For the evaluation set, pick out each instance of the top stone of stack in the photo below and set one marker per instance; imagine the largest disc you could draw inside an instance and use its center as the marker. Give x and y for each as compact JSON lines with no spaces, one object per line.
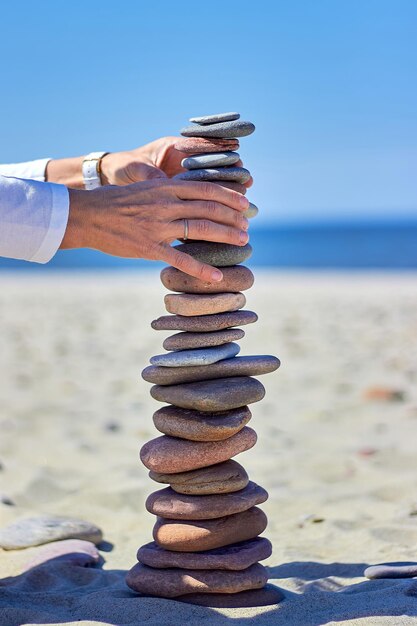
{"x":219,"y":126}
{"x":213,"y":119}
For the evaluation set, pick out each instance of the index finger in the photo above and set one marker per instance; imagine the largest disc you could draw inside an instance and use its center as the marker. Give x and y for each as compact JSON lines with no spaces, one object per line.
{"x":192,"y":190}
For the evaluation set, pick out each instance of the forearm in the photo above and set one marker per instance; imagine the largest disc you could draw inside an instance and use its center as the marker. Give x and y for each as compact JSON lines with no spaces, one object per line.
{"x":66,"y":172}
{"x":33,"y":218}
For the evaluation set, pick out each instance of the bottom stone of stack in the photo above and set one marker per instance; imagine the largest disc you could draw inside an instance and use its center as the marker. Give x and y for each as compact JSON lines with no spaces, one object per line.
{"x":173,"y":582}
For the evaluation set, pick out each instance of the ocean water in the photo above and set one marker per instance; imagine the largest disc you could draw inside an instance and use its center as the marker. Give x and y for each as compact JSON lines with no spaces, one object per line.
{"x":385,"y":245}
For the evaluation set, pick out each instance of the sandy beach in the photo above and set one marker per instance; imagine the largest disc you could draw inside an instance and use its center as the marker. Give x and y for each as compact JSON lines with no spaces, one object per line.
{"x":336,"y":448}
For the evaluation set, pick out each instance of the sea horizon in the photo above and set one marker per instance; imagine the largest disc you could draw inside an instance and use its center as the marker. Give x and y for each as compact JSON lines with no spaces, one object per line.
{"x":386,"y":243}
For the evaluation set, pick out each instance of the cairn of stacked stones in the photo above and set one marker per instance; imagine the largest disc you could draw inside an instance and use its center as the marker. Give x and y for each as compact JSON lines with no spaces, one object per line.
{"x":206,"y":546}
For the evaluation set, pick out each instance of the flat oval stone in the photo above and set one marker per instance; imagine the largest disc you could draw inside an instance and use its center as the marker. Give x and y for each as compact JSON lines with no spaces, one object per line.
{"x":187,"y":341}
{"x":70,"y":551}
{"x":198,"y":145}
{"x":171,"y":505}
{"x":226,"y":477}
{"x":197,"y":426}
{"x":172,"y":455}
{"x":235,"y":278}
{"x":210,"y":159}
{"x":237,"y":366}
{"x":252,"y":211}
{"x":190,"y":304}
{"x":217,"y":254}
{"x":234,"y":174}
{"x":220,"y":394}
{"x":391,"y":571}
{"x":199,"y":535}
{"x":34,"y":531}
{"x":200,"y":356}
{"x":236,"y":556}
{"x":171,"y":583}
{"x":221,"y":130}
{"x":204,"y":323}
{"x":213,"y":119}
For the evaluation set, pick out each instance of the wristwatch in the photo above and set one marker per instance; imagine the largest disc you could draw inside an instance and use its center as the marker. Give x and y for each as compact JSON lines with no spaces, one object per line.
{"x":91,"y":170}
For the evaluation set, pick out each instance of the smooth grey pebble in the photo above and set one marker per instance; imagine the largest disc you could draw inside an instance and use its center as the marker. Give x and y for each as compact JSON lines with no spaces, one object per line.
{"x":223,"y":130}
{"x":213,"y":119}
{"x":234,"y":174}
{"x":199,"y":356}
{"x":35,"y":531}
{"x":213,"y":159}
{"x":391,"y":571}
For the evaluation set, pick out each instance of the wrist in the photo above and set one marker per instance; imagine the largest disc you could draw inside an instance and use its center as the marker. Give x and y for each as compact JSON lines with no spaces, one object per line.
{"x":105,"y":169}
{"x":66,"y":172}
{"x":79,"y":226}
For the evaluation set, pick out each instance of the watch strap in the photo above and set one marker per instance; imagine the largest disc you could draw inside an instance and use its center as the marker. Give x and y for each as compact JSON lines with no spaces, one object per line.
{"x":91,"y":170}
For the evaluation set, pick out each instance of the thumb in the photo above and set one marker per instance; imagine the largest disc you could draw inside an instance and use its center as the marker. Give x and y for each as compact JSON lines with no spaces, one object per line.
{"x":143,"y":171}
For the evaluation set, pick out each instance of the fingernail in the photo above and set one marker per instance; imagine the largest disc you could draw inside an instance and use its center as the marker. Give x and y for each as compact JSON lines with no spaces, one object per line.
{"x":245,"y":223}
{"x":243,"y":237}
{"x":244,"y":202}
{"x":217,"y":275}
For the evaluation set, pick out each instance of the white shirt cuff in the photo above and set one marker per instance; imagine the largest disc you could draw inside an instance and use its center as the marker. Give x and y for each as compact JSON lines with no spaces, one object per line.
{"x":30,"y":170}
{"x":57,"y":225}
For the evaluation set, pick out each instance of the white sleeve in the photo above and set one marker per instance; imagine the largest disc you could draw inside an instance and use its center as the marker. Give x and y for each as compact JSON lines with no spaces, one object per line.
{"x":33,"y":170}
{"x":33,"y":218}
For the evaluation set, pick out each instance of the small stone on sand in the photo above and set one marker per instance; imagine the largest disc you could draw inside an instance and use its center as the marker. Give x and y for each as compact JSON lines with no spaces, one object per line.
{"x":71,"y":551}
{"x":388,"y":570}
{"x":35,"y":531}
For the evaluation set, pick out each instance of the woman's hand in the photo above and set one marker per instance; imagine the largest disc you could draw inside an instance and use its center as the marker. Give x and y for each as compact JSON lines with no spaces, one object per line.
{"x":141,"y":220}
{"x":158,"y":159}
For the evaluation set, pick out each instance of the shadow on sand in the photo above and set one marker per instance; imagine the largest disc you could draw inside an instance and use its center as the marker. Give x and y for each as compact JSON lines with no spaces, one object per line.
{"x":57,"y":592}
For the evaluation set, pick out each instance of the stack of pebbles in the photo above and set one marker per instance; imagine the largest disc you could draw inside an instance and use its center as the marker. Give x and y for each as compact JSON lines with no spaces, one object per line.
{"x":206,"y":547}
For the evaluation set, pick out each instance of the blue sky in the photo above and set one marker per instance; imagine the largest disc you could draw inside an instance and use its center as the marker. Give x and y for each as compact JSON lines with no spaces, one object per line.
{"x":330,"y":84}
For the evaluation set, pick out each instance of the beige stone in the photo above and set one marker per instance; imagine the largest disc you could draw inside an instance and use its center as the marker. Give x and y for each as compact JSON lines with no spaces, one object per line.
{"x":190,"y":304}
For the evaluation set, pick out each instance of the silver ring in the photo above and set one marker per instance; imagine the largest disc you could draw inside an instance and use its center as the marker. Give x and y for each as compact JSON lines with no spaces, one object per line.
{"x":185,"y":230}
